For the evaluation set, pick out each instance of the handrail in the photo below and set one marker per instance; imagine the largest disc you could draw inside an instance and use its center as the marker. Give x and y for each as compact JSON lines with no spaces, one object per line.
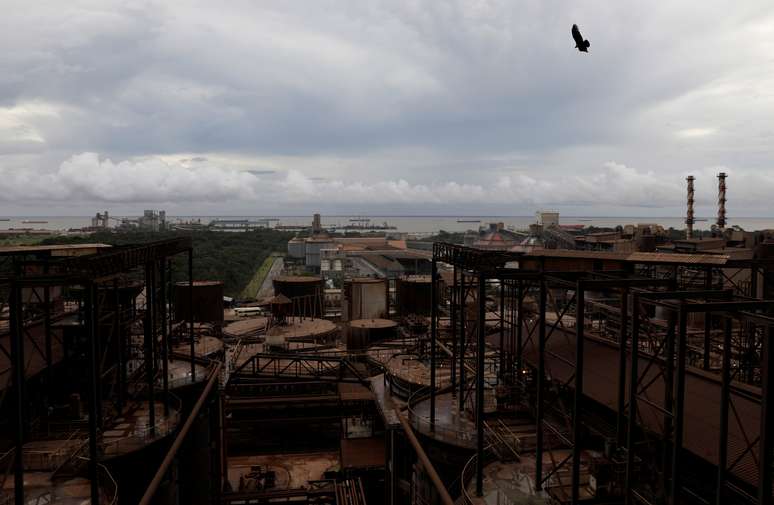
{"x":169,"y":458}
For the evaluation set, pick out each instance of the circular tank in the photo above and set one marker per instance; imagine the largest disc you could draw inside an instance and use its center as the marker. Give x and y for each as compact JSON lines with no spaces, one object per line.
{"x":413,"y":295}
{"x":306,"y":293}
{"x":207,"y":301}
{"x":296,"y":248}
{"x":364,"y":298}
{"x":313,"y":248}
{"x":363,"y":332}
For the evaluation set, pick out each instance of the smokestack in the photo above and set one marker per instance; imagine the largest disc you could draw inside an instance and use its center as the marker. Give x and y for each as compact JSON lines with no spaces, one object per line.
{"x":689,"y":214}
{"x":721,"y":201}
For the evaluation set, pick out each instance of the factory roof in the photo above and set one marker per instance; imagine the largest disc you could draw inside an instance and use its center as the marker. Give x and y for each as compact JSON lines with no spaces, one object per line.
{"x":635,"y":257}
{"x":298,"y":278}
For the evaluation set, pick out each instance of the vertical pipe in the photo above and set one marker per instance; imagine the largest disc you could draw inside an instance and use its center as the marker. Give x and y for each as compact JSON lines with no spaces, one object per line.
{"x":164,"y":335}
{"x":576,"y":414}
{"x":541,"y":374}
{"x":765,"y":458}
{"x":463,"y":307}
{"x":91,"y":333}
{"x":679,"y":403}
{"x":481,"y":349}
{"x":622,"y":351}
{"x":149,"y":336}
{"x":17,"y":352}
{"x":633,"y":383}
{"x":190,"y":315}
{"x":725,"y":397}
{"x":453,"y":327}
{"x":433,"y":337}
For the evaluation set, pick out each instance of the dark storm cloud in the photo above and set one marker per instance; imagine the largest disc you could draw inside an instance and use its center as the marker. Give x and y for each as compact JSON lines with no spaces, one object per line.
{"x":428,"y":100}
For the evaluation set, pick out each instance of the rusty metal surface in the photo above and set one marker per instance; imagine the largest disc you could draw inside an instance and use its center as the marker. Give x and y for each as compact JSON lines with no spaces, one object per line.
{"x":207,"y":301}
{"x":702,"y":407}
{"x":362,"y":452}
{"x":634,"y":257}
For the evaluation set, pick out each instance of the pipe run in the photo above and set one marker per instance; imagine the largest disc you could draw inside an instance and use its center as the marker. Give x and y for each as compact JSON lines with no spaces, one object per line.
{"x":161,"y":472}
{"x":446,"y":499}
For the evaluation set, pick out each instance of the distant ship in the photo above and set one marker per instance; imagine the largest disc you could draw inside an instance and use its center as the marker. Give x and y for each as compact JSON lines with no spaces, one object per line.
{"x":4,"y":219}
{"x":468,"y":220}
{"x":31,"y":221}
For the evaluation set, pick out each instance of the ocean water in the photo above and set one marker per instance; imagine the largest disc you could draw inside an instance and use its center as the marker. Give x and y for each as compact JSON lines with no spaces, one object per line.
{"x":406,"y":224}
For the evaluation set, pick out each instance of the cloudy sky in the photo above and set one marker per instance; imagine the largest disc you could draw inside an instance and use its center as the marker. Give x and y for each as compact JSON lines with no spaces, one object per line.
{"x":385,"y":107}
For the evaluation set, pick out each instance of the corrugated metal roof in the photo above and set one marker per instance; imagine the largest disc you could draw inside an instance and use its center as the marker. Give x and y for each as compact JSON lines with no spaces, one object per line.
{"x":635,"y":257}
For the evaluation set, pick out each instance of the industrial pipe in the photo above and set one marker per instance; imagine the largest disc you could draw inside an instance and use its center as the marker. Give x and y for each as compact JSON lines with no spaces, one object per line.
{"x":154,"y":485}
{"x":444,"y":494}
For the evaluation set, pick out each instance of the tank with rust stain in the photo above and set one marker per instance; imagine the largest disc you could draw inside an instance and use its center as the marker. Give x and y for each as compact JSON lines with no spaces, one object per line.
{"x":364,"y":298}
{"x":305,"y":292}
{"x":363,"y":332}
{"x":207,"y":301}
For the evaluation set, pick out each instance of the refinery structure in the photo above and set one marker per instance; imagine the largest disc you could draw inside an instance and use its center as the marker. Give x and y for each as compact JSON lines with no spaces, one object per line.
{"x":545,"y":366}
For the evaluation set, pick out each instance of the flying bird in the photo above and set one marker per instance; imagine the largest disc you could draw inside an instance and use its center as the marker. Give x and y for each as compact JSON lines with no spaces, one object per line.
{"x":582,"y":45}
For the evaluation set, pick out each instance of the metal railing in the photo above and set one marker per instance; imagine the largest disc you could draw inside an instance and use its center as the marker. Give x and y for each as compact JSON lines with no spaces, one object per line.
{"x":142,"y":435}
{"x":464,"y":438}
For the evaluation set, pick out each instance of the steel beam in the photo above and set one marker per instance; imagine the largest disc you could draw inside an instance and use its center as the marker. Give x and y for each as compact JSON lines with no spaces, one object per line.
{"x":633,"y":380}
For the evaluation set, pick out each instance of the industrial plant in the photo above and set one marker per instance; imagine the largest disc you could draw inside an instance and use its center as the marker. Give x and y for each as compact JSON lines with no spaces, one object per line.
{"x":551,"y":365}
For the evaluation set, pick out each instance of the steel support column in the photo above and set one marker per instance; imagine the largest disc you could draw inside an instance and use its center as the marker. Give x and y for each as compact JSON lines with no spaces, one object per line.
{"x":766,"y":443}
{"x":164,"y":335}
{"x":481,"y":349}
{"x":16,"y":323}
{"x":519,"y":328}
{"x":190,"y":315}
{"x":622,"y":354}
{"x":633,"y":380}
{"x":149,"y":337}
{"x":433,"y":337}
{"x":94,"y":403}
{"x":707,"y":323}
{"x":501,"y":369}
{"x":453,"y":328}
{"x":725,"y":397}
{"x":682,"y":341}
{"x":577,"y":426}
{"x":463,"y":307}
{"x":541,"y":386}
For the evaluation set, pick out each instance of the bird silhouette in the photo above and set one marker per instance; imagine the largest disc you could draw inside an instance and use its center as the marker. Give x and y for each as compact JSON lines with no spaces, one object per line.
{"x":580,"y":44}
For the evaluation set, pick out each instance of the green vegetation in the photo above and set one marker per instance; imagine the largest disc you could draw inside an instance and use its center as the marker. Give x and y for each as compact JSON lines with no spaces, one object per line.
{"x":454,"y":237}
{"x":24,"y":240}
{"x":231,"y":257}
{"x":252,"y":288}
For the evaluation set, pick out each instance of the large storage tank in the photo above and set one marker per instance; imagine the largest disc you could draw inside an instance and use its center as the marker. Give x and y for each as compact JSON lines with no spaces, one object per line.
{"x":363,"y":332}
{"x":413,"y":295}
{"x":313,"y":248}
{"x":297,"y":248}
{"x":306,"y":293}
{"x":207,"y":301}
{"x":364,"y":298}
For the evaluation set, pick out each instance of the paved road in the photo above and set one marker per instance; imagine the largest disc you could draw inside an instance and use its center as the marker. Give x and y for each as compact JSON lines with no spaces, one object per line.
{"x":267,"y":288}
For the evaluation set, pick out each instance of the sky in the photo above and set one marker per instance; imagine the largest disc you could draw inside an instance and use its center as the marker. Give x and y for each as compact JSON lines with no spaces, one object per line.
{"x":385,"y":107}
